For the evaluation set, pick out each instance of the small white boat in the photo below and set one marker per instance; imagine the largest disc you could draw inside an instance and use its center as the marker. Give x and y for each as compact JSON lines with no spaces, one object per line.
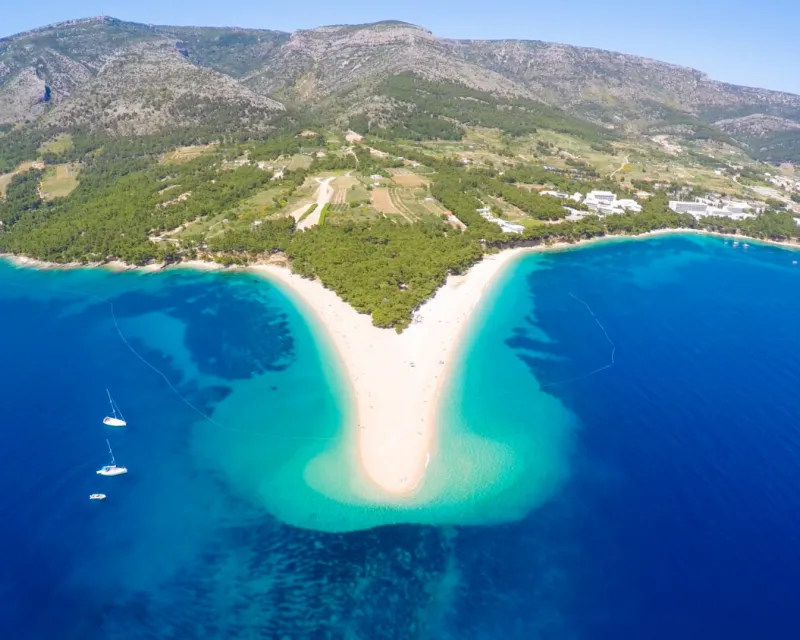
{"x":97,"y":496}
{"x":111,"y":469}
{"x":116,"y":421}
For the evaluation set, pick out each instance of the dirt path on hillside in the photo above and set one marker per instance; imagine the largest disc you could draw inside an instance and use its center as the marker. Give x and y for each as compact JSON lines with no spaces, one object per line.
{"x":324,"y":195}
{"x":620,"y":168}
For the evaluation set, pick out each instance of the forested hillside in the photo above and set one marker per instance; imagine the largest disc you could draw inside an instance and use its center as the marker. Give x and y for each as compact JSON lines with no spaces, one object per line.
{"x":129,"y":205}
{"x":427,"y":110}
{"x":377,"y":158}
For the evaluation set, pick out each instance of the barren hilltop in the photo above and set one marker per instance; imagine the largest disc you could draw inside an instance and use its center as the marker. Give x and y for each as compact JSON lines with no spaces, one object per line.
{"x":126,"y":79}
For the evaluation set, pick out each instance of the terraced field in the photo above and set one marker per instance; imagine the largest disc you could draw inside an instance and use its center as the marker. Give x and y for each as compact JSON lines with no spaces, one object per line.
{"x":382,"y":201}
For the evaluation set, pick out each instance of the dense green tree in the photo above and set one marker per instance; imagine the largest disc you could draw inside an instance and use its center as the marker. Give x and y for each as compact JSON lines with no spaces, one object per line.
{"x":383,"y":268}
{"x":22,"y":195}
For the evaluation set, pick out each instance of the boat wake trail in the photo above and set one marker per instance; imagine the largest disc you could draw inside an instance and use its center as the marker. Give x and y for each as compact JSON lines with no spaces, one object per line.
{"x":612,"y":360}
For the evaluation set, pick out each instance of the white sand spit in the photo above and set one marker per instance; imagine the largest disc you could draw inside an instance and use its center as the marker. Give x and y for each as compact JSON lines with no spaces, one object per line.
{"x":397,"y":378}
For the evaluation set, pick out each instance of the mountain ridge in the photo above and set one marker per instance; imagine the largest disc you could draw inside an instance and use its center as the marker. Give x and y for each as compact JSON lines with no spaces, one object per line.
{"x":336,"y":70}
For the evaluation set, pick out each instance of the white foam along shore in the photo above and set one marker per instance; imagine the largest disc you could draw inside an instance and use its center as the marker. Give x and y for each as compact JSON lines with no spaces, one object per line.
{"x":397,"y":378}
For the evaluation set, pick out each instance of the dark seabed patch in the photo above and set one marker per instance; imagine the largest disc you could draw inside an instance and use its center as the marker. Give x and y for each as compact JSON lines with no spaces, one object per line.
{"x":675,"y":514}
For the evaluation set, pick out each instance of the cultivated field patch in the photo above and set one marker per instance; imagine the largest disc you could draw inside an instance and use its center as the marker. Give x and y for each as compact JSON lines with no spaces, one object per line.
{"x":59,"y":181}
{"x":358,"y":195}
{"x":400,"y":199}
{"x":61,"y":143}
{"x":409,"y":180}
{"x":185,"y":154}
{"x":382,"y":201}
{"x":345,"y":182}
{"x":299,"y":161}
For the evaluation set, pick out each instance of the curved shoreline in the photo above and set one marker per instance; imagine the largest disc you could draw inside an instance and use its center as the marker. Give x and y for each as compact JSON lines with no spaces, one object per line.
{"x":396,"y":379}
{"x":210,"y":265}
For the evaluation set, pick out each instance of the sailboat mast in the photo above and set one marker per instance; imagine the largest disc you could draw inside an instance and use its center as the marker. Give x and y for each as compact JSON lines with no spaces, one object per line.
{"x":111,"y":402}
{"x":120,"y":412}
{"x":113,"y":462}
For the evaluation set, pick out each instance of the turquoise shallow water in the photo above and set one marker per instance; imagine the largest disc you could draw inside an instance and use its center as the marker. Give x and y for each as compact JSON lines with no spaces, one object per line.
{"x":641,"y":476}
{"x":484,"y":469}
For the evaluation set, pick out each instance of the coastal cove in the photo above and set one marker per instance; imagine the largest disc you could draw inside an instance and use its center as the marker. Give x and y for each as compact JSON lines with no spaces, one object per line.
{"x":607,"y":414}
{"x":359,"y":332}
{"x":399,"y":448}
{"x":386,"y":464}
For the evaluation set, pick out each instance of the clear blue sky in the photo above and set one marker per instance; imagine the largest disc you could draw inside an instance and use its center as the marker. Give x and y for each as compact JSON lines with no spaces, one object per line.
{"x":747,"y":42}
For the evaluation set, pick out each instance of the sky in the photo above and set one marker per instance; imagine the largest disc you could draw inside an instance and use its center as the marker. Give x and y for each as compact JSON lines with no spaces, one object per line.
{"x":739,"y":41}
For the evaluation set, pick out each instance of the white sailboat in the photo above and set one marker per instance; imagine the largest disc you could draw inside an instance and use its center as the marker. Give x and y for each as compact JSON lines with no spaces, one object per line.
{"x":97,"y":496}
{"x":111,"y":469}
{"x":116,"y":421}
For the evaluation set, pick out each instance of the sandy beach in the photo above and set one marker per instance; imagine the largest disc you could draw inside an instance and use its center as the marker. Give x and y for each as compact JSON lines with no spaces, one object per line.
{"x":396,"y":378}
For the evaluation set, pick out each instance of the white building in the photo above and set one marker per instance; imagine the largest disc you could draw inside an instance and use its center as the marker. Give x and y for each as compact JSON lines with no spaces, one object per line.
{"x":608,"y":210}
{"x":710,"y":201}
{"x":603,"y":197}
{"x":724,"y":213}
{"x":697,"y":209}
{"x":505,"y":225}
{"x":700,"y":209}
{"x":575,"y":214}
{"x":510,"y":227}
{"x":629,"y":205}
{"x":737,"y":207}
{"x":556,"y":194}
{"x":606,"y":203}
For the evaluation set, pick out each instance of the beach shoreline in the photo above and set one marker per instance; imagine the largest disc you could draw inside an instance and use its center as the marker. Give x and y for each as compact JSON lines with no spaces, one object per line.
{"x":396,"y":380}
{"x":210,"y":265}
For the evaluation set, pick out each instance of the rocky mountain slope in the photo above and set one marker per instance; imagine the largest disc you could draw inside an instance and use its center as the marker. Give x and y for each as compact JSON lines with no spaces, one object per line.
{"x":314,"y":64}
{"x":149,"y":86}
{"x":129,"y":78}
{"x":592,"y":80}
{"x":345,"y":69}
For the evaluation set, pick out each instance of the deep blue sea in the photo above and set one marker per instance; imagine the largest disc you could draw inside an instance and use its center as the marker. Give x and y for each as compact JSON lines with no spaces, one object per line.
{"x":670,"y":505}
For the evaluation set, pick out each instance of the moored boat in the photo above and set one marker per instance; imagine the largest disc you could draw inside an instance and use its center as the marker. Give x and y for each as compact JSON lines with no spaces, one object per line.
{"x":116,"y":420}
{"x":111,"y":469}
